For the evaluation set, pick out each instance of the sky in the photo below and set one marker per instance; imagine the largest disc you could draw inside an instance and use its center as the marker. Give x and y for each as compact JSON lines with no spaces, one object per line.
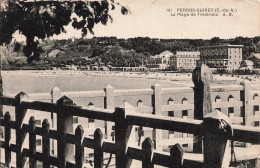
{"x":150,"y":18}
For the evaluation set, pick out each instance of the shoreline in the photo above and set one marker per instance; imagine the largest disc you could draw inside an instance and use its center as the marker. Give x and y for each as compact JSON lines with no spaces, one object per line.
{"x":162,"y":76}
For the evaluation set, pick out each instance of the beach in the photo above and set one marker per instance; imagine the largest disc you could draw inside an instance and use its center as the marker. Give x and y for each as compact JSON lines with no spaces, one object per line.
{"x":44,"y":81}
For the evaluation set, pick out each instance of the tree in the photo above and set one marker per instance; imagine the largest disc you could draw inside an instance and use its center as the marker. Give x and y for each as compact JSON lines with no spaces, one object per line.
{"x":256,"y":39}
{"x":215,"y":41}
{"x":41,"y":19}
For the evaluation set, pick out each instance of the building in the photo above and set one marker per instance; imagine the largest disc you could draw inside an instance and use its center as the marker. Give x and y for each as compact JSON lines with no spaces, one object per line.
{"x":184,"y":60}
{"x":223,"y":56}
{"x":161,"y":61}
{"x":255,"y":57}
{"x":247,"y":64}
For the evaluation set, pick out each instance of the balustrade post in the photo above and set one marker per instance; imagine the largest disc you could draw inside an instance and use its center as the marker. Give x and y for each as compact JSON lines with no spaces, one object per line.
{"x":7,"y":139}
{"x":109,"y":103}
{"x":79,"y":148}
{"x":148,"y":148}
{"x":32,"y":143}
{"x":176,"y":154}
{"x":201,"y":77}
{"x":20,"y":112}
{"x":98,"y":153}
{"x":214,"y":143}
{"x":64,"y":125}
{"x":157,"y":110}
{"x":46,"y":143}
{"x":124,"y":134}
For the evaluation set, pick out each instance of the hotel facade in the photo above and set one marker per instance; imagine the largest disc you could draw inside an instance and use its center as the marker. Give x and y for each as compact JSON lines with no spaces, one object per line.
{"x":223,"y":56}
{"x":184,"y":60}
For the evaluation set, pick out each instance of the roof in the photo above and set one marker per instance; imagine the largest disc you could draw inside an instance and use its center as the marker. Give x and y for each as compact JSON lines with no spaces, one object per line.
{"x":54,"y":52}
{"x":248,"y":62}
{"x":257,"y":55}
{"x":238,"y":46}
{"x":187,"y":52}
{"x":257,"y":47}
{"x":165,"y":53}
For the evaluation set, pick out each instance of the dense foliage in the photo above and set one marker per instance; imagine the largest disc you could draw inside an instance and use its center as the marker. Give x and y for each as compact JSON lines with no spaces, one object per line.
{"x":112,"y":51}
{"x":41,"y":19}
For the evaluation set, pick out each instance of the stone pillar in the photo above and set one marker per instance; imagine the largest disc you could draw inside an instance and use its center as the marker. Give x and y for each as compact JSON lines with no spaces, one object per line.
{"x":201,"y":77}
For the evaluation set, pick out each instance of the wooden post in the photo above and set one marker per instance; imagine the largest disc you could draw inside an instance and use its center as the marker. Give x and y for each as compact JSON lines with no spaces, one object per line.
{"x":79,"y":148}
{"x":214,"y":143}
{"x":98,"y":153}
{"x":148,"y":147}
{"x":201,"y":77}
{"x":176,"y":154}
{"x":64,"y":125}
{"x":46,"y":143}
{"x":32,"y":143}
{"x":123,"y":135}
{"x":20,"y":112}
{"x":157,"y":110}
{"x":55,"y":95}
{"x":7,"y":139}
{"x":109,"y":103}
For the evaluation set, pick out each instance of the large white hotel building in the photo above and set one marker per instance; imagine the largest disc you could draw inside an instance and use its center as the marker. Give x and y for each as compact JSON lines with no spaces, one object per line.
{"x":223,"y":56}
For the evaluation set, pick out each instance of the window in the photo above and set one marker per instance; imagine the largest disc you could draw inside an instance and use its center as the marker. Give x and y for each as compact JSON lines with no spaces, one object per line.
{"x":256,"y":123}
{"x":139,"y":103}
{"x":217,"y":98}
{"x":185,"y":145}
{"x":184,"y":101}
{"x":256,"y":110}
{"x":171,"y":113}
{"x":231,"y":110}
{"x":170,"y":101}
{"x":38,"y":142}
{"x":255,"y":97}
{"x":230,"y":98}
{"x":184,"y":112}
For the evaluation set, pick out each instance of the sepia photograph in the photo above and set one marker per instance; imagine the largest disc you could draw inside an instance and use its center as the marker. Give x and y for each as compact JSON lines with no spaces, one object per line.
{"x":129,"y":84}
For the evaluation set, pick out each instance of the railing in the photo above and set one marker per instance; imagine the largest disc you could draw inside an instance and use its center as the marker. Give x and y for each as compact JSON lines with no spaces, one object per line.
{"x":71,"y":143}
{"x":124,"y":119}
{"x":239,"y":102}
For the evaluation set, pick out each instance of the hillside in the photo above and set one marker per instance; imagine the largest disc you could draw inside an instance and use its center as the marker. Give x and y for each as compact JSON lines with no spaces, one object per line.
{"x":112,"y":51}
